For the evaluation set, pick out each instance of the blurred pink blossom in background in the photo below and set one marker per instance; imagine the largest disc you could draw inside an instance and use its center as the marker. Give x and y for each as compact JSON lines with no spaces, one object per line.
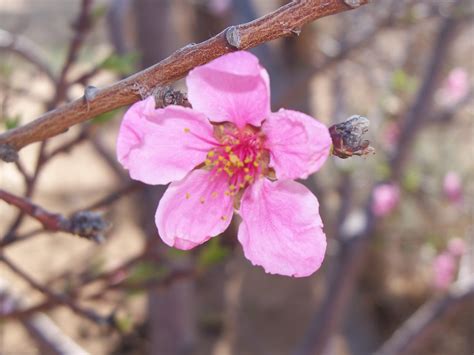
{"x":457,"y":247}
{"x":219,"y":7}
{"x":455,"y":87}
{"x":385,"y":199}
{"x":444,"y":267}
{"x":452,"y":187}
{"x":446,"y":264}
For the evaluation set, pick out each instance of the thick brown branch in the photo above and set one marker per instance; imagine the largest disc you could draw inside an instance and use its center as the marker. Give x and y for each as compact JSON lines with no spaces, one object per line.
{"x":282,"y":22}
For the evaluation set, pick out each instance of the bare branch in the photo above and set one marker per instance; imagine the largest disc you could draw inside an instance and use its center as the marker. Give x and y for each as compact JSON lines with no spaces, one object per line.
{"x":26,"y":49}
{"x":279,"y":23}
{"x":423,"y":321}
{"x":85,"y":223}
{"x":55,"y":297}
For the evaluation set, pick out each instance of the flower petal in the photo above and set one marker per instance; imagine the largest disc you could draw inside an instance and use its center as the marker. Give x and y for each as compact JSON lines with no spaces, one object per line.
{"x":281,"y":228}
{"x":162,"y":145}
{"x":231,"y":88}
{"x":299,"y":145}
{"x":194,"y":209}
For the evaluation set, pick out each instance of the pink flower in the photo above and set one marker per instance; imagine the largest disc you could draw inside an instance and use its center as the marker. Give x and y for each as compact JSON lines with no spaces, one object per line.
{"x":245,"y":159}
{"x":455,"y":87}
{"x":385,"y":199}
{"x":452,"y":187}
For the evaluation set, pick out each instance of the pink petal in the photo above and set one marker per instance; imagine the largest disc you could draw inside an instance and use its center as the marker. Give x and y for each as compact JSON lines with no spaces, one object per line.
{"x":281,"y":228}
{"x":194,"y":210}
{"x":162,"y":145}
{"x":231,"y":88}
{"x":299,"y":145}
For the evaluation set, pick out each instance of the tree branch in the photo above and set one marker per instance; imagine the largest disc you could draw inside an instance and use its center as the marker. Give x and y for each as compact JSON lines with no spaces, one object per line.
{"x":85,"y":224}
{"x":422,"y":322}
{"x":282,"y":22}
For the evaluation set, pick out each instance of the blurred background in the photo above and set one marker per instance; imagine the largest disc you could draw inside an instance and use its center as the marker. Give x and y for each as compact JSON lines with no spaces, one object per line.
{"x":399,"y":222}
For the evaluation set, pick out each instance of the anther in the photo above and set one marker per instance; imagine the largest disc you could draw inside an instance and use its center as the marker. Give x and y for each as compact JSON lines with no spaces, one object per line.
{"x":188,"y":195}
{"x":187,"y":130}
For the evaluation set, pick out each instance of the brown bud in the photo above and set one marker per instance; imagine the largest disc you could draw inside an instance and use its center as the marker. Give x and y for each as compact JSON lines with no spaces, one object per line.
{"x":347,"y":137}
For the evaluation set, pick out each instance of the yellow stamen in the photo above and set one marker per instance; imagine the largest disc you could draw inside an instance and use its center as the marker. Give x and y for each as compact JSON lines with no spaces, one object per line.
{"x":234,"y":159}
{"x":246,"y":170}
{"x":187,"y":130}
{"x":227,"y":149}
{"x":247,"y":160}
{"x":208,"y":162}
{"x":232,"y":187}
{"x":211,"y":154}
{"x":255,"y":164}
{"x":214,"y":194}
{"x":188,"y":195}
{"x":248,"y":178}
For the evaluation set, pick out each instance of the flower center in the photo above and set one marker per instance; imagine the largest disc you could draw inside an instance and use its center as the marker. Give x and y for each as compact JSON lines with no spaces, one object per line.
{"x":240,"y":155}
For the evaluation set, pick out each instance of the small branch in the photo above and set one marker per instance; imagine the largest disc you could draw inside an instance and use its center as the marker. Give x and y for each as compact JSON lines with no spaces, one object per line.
{"x":26,"y":49}
{"x":277,"y":24}
{"x":422,"y":323}
{"x":81,"y":27}
{"x":84,"y":224}
{"x":43,"y":330}
{"x":55,"y":297}
{"x":355,"y":242}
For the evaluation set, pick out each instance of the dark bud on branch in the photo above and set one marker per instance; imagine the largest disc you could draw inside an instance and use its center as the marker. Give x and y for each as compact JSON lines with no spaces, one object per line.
{"x":8,"y":153}
{"x":88,"y":225}
{"x":165,"y":96}
{"x":347,"y":137}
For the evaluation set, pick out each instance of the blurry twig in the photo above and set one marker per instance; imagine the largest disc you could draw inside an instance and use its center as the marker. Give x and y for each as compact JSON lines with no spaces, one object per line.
{"x":28,"y":50}
{"x":423,"y":321}
{"x":282,"y":22}
{"x":55,"y":297}
{"x":355,"y":241}
{"x":49,"y":337}
{"x":81,"y":27}
{"x":86,"y":224}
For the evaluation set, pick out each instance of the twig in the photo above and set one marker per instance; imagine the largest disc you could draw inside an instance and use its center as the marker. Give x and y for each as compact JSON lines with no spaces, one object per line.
{"x":28,"y":50}
{"x":81,"y":27}
{"x":43,"y":330}
{"x":58,"y":298}
{"x":354,"y":243}
{"x":422,"y":323}
{"x":84,"y":224}
{"x":282,"y":22}
{"x":114,"y":196}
